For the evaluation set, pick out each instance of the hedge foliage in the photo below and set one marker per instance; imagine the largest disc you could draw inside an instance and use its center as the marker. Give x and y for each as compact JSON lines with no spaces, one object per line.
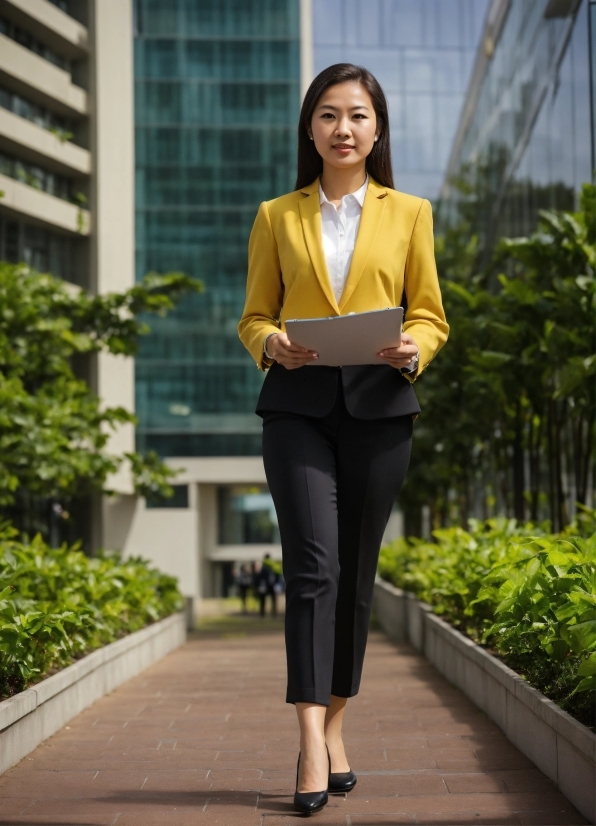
{"x":56,"y":604}
{"x":528,"y":596}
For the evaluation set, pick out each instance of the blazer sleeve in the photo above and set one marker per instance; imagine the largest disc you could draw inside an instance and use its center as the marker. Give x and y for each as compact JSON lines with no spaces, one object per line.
{"x":425,"y":315}
{"x":264,"y":289}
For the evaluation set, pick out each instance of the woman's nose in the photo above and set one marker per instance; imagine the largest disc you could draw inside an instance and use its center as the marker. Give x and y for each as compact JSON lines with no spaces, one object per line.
{"x":343,"y":127}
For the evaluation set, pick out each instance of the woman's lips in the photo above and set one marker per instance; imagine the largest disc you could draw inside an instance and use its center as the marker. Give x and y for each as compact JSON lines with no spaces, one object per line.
{"x":343,"y":148}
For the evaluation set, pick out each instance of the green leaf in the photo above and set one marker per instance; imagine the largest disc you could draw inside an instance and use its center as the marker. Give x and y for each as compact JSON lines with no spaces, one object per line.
{"x":584,"y":635}
{"x":588,"y":667}
{"x":555,"y":557}
{"x":587,"y":684}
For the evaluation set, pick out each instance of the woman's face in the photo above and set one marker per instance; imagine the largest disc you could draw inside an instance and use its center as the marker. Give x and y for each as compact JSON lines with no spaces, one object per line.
{"x":344,"y":125}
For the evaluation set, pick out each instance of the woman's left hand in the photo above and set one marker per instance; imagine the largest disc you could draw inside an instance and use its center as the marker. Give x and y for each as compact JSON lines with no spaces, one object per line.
{"x":401,"y":356}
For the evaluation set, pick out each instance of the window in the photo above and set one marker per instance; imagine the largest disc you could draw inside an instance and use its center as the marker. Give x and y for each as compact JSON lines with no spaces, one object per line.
{"x":8,"y":28}
{"x":61,"y":4}
{"x":247,"y":516}
{"x":44,"y":250}
{"x":62,"y":127}
{"x":36,"y":176}
{"x":178,"y":500}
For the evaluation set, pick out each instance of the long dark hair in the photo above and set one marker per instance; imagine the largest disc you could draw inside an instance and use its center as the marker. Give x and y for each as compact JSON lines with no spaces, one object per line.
{"x":310,"y":163}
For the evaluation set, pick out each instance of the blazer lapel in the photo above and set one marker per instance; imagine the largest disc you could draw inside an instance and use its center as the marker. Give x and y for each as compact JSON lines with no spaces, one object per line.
{"x":370,"y":221}
{"x":310,"y":214}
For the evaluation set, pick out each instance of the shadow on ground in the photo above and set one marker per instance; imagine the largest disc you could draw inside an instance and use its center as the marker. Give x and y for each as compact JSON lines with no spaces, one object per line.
{"x":271,"y":801}
{"x":237,"y":625}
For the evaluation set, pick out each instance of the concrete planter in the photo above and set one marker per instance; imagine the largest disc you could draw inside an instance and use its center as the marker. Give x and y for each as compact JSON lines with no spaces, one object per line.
{"x":557,"y":744}
{"x":28,"y":718}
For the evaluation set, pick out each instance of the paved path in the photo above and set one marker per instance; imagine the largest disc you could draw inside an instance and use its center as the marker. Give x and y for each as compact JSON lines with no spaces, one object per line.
{"x":204,"y":738}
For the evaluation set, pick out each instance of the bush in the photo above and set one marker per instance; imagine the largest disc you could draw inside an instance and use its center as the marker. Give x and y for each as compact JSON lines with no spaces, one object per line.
{"x":528,"y":596}
{"x":58,"y":604}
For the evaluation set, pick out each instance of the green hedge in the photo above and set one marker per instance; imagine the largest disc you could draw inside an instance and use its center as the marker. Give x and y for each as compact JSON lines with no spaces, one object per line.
{"x":529,"y":597}
{"x":58,"y":604}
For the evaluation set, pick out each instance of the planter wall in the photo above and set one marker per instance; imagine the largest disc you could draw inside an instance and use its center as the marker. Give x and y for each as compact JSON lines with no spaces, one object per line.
{"x":28,"y":718}
{"x":562,"y":748}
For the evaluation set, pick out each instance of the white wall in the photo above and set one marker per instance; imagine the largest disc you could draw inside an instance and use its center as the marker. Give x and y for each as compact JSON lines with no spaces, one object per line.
{"x":169,"y":538}
{"x":183,"y":541}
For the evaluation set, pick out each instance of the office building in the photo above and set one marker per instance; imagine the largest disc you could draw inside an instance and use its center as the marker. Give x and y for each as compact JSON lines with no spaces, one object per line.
{"x":422,"y":52}
{"x":66,"y":164}
{"x":217,"y":95}
{"x":526,"y":139}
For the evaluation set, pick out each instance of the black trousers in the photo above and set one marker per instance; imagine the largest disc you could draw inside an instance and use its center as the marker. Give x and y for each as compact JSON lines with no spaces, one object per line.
{"x":333,"y":480}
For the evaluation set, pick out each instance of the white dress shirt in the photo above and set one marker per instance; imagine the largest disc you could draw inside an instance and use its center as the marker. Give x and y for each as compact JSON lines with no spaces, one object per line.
{"x":339,"y":226}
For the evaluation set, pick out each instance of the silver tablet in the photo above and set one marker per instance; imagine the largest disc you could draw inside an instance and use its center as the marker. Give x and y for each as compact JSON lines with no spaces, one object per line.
{"x":348,"y":339}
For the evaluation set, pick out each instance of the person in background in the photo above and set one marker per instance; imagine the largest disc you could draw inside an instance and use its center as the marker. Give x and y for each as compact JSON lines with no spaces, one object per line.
{"x":265,"y":584}
{"x":244,"y":580}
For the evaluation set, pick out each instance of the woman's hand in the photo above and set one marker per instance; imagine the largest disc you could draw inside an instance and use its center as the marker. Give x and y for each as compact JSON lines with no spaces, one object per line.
{"x":287,"y":354}
{"x":403,"y":355}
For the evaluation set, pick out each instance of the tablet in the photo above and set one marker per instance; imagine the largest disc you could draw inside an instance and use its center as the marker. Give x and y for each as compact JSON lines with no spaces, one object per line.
{"x":343,"y":340}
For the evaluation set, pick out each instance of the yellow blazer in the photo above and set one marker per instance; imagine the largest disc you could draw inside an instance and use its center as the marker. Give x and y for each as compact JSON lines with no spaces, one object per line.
{"x":288,"y":278}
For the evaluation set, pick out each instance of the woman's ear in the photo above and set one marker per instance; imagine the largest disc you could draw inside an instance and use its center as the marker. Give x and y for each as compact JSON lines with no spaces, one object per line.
{"x":309,"y":133}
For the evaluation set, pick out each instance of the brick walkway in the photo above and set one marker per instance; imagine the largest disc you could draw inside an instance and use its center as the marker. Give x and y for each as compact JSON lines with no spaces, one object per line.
{"x":204,"y":738}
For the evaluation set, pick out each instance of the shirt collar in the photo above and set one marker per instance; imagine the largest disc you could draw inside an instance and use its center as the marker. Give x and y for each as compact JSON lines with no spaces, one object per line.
{"x":359,"y":195}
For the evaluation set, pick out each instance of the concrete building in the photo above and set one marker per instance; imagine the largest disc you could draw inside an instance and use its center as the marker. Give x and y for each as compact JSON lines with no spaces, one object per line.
{"x":66,"y":163}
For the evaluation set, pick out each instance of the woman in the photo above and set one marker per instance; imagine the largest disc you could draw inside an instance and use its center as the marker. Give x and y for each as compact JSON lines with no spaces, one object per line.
{"x":336,"y":441}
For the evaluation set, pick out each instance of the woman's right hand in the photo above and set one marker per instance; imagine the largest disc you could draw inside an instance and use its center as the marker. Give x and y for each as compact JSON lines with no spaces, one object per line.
{"x":287,"y":354}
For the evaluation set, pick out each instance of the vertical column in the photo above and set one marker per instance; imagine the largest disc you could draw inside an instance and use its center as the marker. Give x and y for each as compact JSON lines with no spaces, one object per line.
{"x":208,"y":517}
{"x":306,"y":46}
{"x":112,"y":201}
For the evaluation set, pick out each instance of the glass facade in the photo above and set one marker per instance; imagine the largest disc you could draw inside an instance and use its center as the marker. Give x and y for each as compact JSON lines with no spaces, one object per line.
{"x":529,"y":141}
{"x":217,"y":100}
{"x":422,"y":53}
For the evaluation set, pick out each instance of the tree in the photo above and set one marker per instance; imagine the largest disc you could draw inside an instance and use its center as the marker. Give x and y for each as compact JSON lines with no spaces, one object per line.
{"x":546,"y":315}
{"x":451,"y":435}
{"x":511,"y":397}
{"x":54,"y":431}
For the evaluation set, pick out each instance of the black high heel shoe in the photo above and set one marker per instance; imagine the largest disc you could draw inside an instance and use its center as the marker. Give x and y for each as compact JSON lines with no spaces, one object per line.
{"x":340,"y":782}
{"x":307,"y":803}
